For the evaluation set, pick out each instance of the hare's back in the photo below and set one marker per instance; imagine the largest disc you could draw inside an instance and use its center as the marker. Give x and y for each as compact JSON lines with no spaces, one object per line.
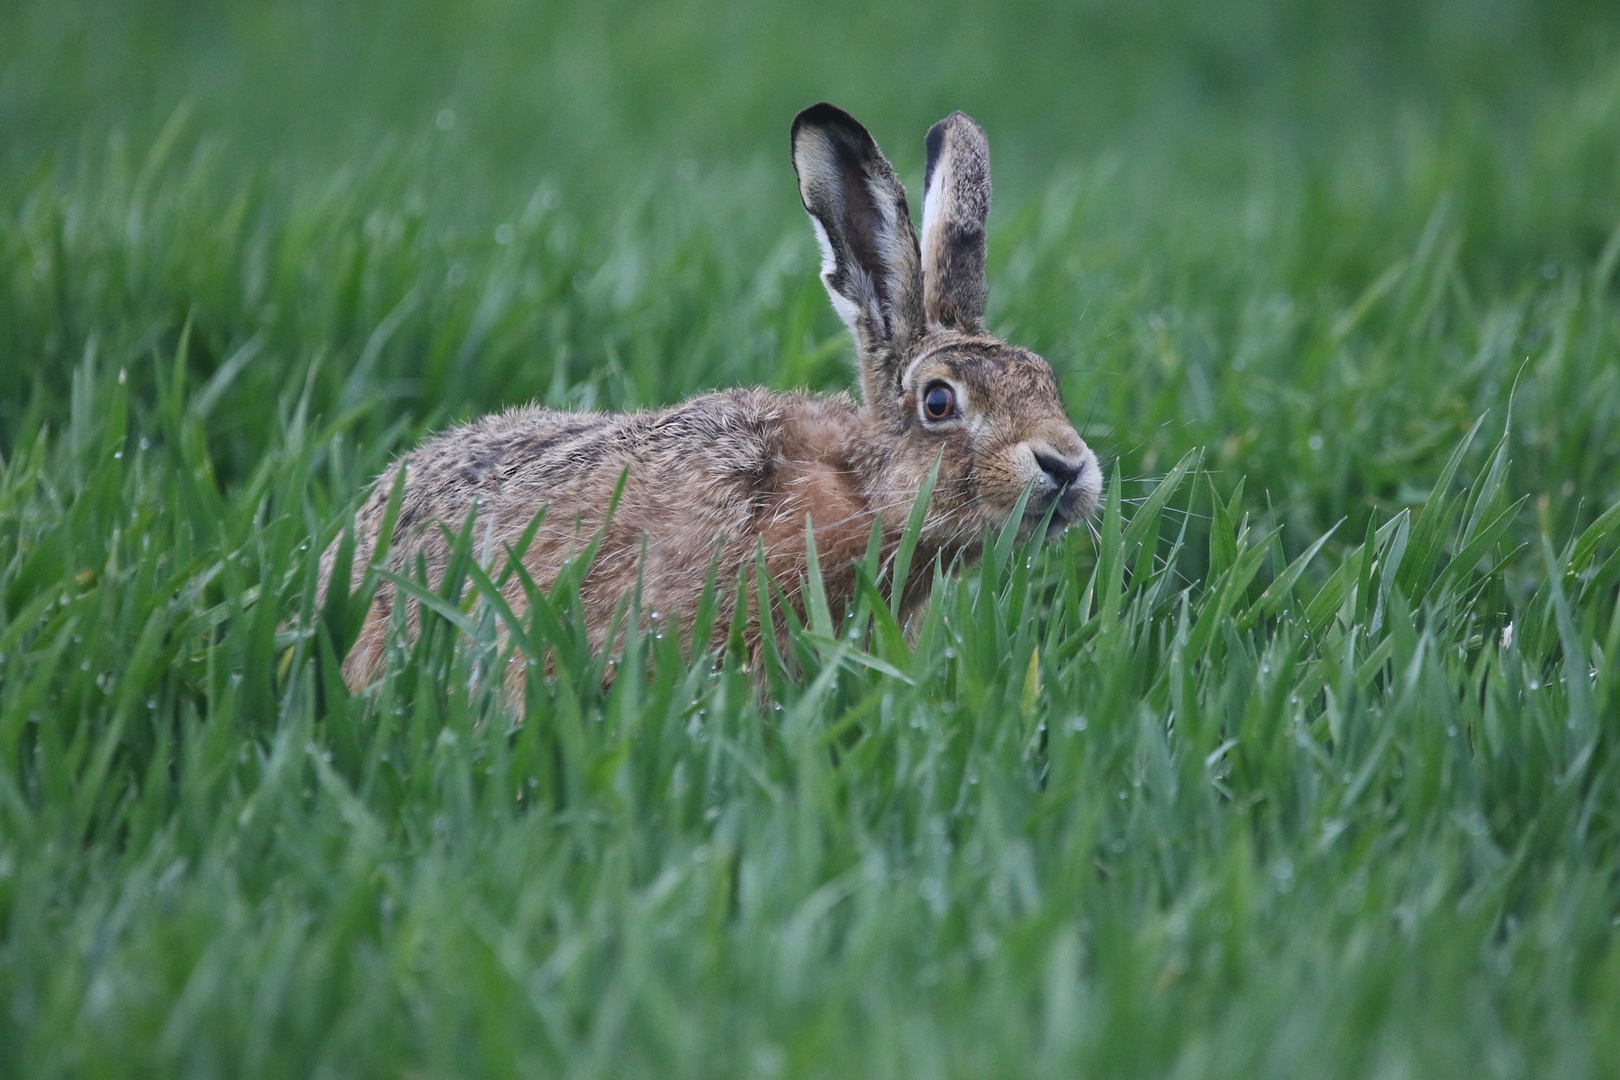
{"x":711,"y":455}
{"x":681,"y":483}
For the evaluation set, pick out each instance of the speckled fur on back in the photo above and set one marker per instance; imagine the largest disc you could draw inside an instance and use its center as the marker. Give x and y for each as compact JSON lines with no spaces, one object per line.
{"x":709,"y":481}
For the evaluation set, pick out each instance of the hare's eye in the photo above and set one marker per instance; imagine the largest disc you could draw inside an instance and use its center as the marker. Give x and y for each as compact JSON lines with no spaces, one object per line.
{"x":939,"y":401}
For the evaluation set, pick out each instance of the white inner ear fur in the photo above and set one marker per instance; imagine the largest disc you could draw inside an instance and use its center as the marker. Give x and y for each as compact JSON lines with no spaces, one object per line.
{"x":829,"y":261}
{"x":932,"y":199}
{"x":845,"y":306}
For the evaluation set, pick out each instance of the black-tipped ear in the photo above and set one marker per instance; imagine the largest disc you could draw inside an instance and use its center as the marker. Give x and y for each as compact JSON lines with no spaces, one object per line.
{"x":869,"y":257}
{"x":956,"y":201}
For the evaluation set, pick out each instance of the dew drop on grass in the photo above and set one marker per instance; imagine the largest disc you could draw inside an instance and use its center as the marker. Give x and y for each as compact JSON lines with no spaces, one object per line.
{"x":1077,"y":724}
{"x":1451,"y":730}
{"x":1282,"y":872}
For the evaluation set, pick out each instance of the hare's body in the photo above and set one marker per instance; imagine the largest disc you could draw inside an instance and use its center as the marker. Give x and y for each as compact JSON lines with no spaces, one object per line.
{"x":709,"y":483}
{"x":767,"y":462}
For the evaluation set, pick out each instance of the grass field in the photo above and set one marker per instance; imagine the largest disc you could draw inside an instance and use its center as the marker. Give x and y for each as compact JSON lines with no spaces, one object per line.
{"x":1306,"y":764}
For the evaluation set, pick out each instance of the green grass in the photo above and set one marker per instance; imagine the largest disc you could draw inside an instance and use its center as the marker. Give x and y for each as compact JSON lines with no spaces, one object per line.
{"x":1304,"y":765}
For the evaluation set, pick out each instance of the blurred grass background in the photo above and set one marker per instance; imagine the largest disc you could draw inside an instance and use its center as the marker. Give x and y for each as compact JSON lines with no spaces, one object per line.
{"x":1204,"y":811}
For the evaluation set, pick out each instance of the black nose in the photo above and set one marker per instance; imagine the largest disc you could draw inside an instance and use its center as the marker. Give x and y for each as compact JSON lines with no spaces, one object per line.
{"x":1063,"y":473}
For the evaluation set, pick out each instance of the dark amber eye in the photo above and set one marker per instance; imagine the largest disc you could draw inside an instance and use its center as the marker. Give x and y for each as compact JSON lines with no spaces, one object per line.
{"x":939,"y":401}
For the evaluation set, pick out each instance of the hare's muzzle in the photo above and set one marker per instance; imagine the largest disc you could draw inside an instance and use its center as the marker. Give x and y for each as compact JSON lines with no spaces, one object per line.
{"x":1068,"y":483}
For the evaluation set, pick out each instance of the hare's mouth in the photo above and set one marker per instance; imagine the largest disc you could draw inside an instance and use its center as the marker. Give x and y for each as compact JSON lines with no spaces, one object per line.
{"x":1063,"y":503}
{"x":1059,"y":509}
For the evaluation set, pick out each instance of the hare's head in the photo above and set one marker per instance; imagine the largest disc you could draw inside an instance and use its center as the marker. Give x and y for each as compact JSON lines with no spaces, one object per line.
{"x":942,"y":388}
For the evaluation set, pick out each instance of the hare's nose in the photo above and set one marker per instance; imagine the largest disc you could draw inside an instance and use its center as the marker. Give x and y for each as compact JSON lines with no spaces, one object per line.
{"x":1063,"y":471}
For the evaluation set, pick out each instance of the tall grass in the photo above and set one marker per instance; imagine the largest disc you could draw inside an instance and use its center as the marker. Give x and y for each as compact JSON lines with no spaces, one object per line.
{"x":1302,"y":763}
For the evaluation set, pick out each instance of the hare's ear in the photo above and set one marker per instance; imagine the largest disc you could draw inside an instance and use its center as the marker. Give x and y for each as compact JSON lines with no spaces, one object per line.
{"x":956,"y":200}
{"x":869,"y":257}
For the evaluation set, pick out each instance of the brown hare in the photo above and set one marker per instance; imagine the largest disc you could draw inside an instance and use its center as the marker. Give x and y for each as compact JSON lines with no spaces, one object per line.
{"x":711,"y":482}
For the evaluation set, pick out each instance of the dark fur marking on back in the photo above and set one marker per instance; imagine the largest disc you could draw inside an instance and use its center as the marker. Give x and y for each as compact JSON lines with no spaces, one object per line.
{"x":534,"y":445}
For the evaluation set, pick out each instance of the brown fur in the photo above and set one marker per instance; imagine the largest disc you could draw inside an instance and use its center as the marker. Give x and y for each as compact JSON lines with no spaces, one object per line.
{"x":711,"y":481}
